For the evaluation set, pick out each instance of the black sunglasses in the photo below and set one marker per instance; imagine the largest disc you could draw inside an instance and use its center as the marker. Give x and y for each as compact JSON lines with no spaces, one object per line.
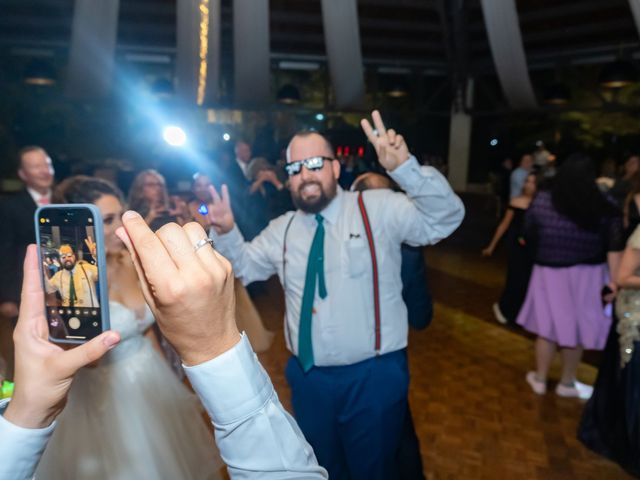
{"x":312,"y":163}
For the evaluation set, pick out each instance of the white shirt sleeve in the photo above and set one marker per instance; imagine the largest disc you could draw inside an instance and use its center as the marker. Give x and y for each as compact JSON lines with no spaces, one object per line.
{"x":258,"y":259}
{"x":256,"y":437}
{"x":430,"y":210}
{"x":20,"y":448}
{"x":48,"y":283}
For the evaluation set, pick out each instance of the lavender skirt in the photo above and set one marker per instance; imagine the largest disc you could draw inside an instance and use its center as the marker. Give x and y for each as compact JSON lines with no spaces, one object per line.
{"x":564,"y":305}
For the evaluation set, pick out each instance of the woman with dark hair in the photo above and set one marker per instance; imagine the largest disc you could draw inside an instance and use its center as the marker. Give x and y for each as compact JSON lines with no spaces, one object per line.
{"x":519,"y":263}
{"x":129,"y":417}
{"x":576,"y":237}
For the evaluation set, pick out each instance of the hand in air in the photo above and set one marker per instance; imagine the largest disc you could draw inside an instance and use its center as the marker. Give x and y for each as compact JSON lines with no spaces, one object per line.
{"x":390,"y":146}
{"x":220,"y":214}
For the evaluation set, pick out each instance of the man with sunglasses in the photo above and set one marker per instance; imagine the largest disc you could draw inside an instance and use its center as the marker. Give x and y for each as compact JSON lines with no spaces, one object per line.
{"x":338,"y":258}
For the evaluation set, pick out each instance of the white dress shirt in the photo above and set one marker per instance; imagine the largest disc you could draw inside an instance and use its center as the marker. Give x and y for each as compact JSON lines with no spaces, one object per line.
{"x":256,"y":437}
{"x":38,"y":197}
{"x":343,"y":324}
{"x":244,"y":167}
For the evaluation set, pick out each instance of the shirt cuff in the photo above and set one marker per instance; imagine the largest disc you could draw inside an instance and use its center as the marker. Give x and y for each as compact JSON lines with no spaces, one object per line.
{"x":233,"y":385}
{"x":24,"y":445}
{"x":225,"y":243}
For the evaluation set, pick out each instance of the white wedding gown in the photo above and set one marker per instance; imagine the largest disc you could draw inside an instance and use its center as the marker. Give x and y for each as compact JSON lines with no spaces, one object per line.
{"x":130,"y":418}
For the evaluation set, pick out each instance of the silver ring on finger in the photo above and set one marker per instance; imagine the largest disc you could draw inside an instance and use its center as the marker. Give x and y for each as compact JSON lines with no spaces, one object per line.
{"x":202,"y":243}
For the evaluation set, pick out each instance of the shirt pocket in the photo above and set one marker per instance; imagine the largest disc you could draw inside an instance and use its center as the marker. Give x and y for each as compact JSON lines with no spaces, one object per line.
{"x":357,"y":257}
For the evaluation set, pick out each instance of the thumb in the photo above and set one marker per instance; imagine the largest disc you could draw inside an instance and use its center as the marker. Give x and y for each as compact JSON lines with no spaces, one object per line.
{"x":32,"y":301}
{"x":74,"y":359}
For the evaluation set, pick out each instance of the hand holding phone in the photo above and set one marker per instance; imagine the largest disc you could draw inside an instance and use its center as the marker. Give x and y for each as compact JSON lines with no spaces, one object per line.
{"x":73,"y":271}
{"x":44,"y":371}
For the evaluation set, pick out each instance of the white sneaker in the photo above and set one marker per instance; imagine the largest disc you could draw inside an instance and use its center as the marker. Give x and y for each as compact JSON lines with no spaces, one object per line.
{"x":579,"y":390}
{"x":538,"y":387}
{"x":498,"y":314}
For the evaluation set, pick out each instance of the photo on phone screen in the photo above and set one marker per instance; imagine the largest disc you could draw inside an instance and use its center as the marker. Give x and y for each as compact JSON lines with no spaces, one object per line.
{"x":71,"y":263}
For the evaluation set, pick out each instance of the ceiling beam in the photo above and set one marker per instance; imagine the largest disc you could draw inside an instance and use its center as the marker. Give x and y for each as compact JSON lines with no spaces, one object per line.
{"x":310,"y":20}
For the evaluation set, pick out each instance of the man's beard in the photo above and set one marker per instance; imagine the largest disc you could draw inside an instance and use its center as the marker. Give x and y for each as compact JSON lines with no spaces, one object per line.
{"x":317,"y":204}
{"x":68,"y":266}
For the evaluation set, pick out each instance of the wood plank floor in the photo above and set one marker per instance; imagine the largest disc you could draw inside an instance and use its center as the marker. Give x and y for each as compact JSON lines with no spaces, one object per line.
{"x":475,"y":415}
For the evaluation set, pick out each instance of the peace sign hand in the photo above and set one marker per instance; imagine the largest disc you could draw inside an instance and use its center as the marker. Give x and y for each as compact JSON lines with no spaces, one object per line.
{"x":91,"y":245}
{"x":220,"y":214}
{"x":391,"y":148}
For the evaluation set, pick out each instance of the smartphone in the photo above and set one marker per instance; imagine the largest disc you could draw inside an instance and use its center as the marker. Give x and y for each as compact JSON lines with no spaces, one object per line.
{"x":73,"y":269}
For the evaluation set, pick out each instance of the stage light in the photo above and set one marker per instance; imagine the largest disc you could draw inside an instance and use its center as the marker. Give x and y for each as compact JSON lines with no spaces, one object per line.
{"x":319,"y":117}
{"x":226,"y":137}
{"x":174,"y":136}
{"x":493,"y":142}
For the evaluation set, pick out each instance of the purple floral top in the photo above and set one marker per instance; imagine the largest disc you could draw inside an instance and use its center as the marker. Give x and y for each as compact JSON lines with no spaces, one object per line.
{"x":557,"y":241}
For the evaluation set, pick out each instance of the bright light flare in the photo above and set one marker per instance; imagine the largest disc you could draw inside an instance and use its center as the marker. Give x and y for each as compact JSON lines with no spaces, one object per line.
{"x":174,"y":136}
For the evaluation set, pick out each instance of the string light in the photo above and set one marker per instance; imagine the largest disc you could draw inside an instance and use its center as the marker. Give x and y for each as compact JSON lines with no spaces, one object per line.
{"x":204,"y":49}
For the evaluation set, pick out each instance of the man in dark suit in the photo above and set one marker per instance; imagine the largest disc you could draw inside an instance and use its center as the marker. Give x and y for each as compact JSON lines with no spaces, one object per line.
{"x":251,"y":207}
{"x":17,"y":231}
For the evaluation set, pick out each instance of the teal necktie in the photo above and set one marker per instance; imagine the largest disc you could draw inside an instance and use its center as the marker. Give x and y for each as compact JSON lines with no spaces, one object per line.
{"x":315,"y":270}
{"x":72,"y":290}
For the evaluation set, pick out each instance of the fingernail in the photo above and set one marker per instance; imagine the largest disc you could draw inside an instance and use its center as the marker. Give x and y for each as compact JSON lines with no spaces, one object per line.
{"x":130,"y":214}
{"x":111,"y":341}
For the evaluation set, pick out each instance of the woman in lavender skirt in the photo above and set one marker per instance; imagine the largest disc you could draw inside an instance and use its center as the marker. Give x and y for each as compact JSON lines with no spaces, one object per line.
{"x":577,"y":240}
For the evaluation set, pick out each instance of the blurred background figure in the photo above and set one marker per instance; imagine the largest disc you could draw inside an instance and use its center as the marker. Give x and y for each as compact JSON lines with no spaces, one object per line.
{"x":623,"y":183}
{"x":268,"y":189}
{"x":503,"y":183}
{"x":576,"y":237}
{"x":519,"y":175}
{"x":519,"y":262}
{"x":148,"y":195}
{"x":631,"y":205}
{"x":199,"y":196}
{"x":541,"y":156}
{"x":607,"y":176}
{"x":610,"y":423}
{"x":16,"y":218}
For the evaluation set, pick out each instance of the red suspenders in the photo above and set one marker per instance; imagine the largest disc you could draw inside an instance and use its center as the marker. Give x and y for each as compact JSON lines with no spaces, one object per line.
{"x":374,"y":265}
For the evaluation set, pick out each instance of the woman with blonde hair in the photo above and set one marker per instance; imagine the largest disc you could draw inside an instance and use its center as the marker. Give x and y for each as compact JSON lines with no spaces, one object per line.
{"x":149,"y":197}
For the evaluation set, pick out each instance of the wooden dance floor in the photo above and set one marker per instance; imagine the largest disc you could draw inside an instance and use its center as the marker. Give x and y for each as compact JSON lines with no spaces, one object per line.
{"x":475,"y":415}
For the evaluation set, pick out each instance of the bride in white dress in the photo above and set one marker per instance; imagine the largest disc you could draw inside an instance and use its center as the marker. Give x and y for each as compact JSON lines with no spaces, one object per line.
{"x":129,"y":417}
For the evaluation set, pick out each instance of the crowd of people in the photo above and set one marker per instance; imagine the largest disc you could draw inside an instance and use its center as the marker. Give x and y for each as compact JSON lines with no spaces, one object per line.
{"x":346,"y":246}
{"x":362,"y":349}
{"x":572,"y":280}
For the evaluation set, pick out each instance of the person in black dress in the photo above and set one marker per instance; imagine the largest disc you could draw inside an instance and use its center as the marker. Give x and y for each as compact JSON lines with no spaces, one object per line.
{"x":519,"y":261}
{"x":610,"y":424}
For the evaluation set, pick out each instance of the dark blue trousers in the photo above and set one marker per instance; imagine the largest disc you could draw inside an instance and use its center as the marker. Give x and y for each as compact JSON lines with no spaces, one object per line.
{"x":353,"y":415}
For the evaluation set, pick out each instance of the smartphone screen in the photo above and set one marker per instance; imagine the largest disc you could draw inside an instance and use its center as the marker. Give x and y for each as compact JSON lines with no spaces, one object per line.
{"x":72,"y":256}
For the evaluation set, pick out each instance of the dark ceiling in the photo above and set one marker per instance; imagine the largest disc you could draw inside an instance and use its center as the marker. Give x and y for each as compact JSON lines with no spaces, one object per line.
{"x":438,"y":36}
